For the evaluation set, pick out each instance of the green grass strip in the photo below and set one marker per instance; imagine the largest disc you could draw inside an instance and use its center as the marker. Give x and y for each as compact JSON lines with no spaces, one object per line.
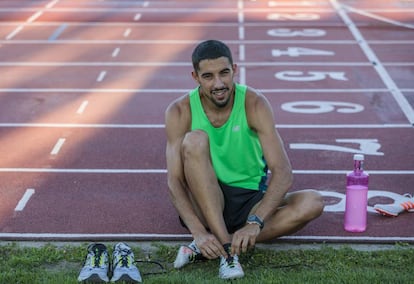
{"x":51,"y":264}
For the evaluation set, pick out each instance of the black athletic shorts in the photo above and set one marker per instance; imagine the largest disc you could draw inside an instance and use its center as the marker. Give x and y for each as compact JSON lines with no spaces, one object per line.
{"x":238,"y":204}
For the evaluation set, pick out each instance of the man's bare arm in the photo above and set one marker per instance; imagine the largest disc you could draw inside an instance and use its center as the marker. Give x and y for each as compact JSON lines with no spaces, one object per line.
{"x":277,"y":160}
{"x":177,"y":124}
{"x":176,"y":127}
{"x":260,"y":117}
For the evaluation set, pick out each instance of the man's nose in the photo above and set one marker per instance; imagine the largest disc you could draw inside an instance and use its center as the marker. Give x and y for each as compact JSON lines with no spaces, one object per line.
{"x":218,"y":82}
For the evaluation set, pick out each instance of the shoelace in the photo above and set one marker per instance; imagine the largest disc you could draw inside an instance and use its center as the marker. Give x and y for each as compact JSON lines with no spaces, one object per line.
{"x":161,"y":267}
{"x":125,"y":253}
{"x":409,"y":204}
{"x":97,"y":259}
{"x":124,"y":258}
{"x":196,"y":255}
{"x":230,"y":261}
{"x":408,"y":195}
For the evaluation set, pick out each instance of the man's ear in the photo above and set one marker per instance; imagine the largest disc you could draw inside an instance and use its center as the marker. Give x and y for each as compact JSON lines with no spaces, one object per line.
{"x":194,"y":75}
{"x":235,"y":68}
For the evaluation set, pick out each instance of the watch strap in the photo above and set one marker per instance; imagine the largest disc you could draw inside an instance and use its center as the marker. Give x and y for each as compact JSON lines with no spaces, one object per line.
{"x":254,"y":219}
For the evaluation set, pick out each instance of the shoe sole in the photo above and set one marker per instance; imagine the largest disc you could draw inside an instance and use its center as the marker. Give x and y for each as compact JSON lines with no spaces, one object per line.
{"x":126,"y":278}
{"x":385,"y":213}
{"x":390,"y":214}
{"x":232,"y":277}
{"x":94,"y":278}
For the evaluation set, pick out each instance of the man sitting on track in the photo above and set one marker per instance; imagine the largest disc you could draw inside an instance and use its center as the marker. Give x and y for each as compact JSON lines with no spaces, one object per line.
{"x":221,"y":142}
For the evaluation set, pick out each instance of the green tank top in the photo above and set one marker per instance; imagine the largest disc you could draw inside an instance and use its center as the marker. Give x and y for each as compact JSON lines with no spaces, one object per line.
{"x":236,"y":152}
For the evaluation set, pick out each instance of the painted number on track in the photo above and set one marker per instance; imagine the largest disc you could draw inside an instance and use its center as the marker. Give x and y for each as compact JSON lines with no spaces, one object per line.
{"x":301,"y":51}
{"x":317,"y":107}
{"x":339,"y":206}
{"x":282,"y":32}
{"x":300,"y":76}
{"x":293,"y":17}
{"x":290,"y":3}
{"x":366,"y":146}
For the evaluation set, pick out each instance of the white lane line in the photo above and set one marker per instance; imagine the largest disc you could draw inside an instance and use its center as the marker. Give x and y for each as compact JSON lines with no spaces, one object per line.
{"x":75,"y":125}
{"x":154,"y":126}
{"x":242,"y":52}
{"x":242,"y":75}
{"x":272,"y":4}
{"x":340,"y":126}
{"x":167,"y":41}
{"x":101,"y":63}
{"x":183,"y":91}
{"x":326,"y":90}
{"x":101,"y":76}
{"x":185,"y":64}
{"x":379,"y":67}
{"x":137,"y":17}
{"x":127,"y":32}
{"x":14,"y":33}
{"x":240,"y":19}
{"x":51,"y":4}
{"x":163,"y":171}
{"x":58,"y":146}
{"x":116,"y":52}
{"x":175,"y":237}
{"x":34,"y":17}
{"x":241,"y":33}
{"x":23,"y":201}
{"x":85,"y":171}
{"x":31,"y":19}
{"x":57,"y":236}
{"x":82,"y":107}
{"x":219,"y":10}
{"x":377,"y":17}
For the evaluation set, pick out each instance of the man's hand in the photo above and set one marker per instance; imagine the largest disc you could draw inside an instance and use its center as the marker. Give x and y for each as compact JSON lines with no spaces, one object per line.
{"x":209,"y":246}
{"x":244,"y":238}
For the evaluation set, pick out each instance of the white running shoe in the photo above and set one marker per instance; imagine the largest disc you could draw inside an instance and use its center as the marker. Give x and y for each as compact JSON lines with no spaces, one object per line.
{"x":96,"y":264}
{"x":187,"y":254}
{"x":406,"y":203}
{"x":123,"y":267}
{"x":230,"y":268}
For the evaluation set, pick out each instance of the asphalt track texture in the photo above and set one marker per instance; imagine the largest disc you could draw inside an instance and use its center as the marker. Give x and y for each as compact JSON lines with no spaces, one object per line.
{"x":84,"y":86}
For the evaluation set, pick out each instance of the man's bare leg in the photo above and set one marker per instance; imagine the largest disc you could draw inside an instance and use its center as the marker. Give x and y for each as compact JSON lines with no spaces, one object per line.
{"x":300,"y":207}
{"x":202,"y":183}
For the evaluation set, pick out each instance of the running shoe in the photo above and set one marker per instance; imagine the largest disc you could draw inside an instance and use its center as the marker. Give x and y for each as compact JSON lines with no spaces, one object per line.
{"x":96,"y":264}
{"x":187,"y":254}
{"x":123,"y":264}
{"x":230,"y":268}
{"x":405,"y":203}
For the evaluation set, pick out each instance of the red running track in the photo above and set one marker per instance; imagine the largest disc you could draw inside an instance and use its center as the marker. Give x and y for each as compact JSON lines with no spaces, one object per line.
{"x":84,"y":86}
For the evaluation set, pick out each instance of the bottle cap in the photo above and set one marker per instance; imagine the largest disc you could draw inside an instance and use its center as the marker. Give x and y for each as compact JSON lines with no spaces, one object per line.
{"x":358,"y":157}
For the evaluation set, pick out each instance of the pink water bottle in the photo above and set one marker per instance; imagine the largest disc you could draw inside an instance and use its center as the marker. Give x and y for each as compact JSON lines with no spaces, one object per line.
{"x":356,"y":197}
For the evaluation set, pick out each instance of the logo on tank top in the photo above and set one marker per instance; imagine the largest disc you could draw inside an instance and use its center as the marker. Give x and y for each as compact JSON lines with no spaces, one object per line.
{"x":236,"y":128}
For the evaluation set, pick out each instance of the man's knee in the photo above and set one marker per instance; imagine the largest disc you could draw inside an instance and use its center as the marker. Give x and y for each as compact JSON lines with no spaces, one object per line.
{"x":306,"y":205}
{"x":194,"y":143}
{"x":312,"y":204}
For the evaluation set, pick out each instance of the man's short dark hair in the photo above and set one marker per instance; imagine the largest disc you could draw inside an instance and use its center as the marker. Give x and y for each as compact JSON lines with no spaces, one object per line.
{"x":210,"y":49}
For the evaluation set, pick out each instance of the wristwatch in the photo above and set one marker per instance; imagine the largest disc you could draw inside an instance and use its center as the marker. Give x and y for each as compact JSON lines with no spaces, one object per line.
{"x":254,"y":219}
